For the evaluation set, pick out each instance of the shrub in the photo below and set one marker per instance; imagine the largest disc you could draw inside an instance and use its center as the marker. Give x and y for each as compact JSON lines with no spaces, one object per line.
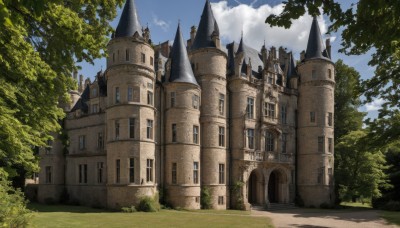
{"x":325,"y":205}
{"x":237,"y":192}
{"x":130,"y":209}
{"x":392,"y":206}
{"x":149,"y":204}
{"x":13,"y":211}
{"x":205,"y":198}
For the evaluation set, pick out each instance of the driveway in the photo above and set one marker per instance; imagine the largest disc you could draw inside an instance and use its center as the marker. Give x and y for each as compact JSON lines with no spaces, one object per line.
{"x":316,"y":218}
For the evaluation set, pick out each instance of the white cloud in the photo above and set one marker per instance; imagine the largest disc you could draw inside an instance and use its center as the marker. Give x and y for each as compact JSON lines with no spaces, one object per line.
{"x":233,"y":19}
{"x":374,"y":105}
{"x":161,"y":23}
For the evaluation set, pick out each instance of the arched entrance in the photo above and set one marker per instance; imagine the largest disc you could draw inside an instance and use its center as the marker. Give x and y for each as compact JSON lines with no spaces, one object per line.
{"x":255,"y":188}
{"x":273,"y":191}
{"x":278,"y":187}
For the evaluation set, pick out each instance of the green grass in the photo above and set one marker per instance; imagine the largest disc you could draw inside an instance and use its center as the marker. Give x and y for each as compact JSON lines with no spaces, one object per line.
{"x":356,"y":204}
{"x":76,"y":216}
{"x":393,"y":217}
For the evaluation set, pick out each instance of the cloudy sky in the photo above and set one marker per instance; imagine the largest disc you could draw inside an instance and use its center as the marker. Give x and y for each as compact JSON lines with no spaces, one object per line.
{"x":233,"y":17}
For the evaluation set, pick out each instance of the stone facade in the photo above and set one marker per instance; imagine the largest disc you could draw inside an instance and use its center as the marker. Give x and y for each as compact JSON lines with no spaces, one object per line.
{"x":248,"y":125}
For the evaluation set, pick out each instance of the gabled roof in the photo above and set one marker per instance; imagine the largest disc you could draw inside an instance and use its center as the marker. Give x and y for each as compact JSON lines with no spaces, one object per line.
{"x":81,"y":103}
{"x":129,"y":21}
{"x":207,"y":26}
{"x":315,"y":46}
{"x":248,"y":53}
{"x":181,"y":70}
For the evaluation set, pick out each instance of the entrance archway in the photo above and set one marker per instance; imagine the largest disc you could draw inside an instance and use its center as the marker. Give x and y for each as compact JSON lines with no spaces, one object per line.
{"x":273,"y":188}
{"x":255,"y":188}
{"x":278,"y":187}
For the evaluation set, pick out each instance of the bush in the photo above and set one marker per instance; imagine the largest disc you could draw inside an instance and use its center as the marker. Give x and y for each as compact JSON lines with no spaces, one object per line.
{"x":392,"y":206}
{"x":130,"y":209}
{"x":149,"y":204}
{"x":237,"y":192}
{"x":205,"y":198}
{"x":325,"y":206}
{"x":13,"y":211}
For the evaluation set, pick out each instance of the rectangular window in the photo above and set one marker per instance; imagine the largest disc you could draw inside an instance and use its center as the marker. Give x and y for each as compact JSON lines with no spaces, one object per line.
{"x":149,"y":170}
{"x":312,"y":117}
{"x":83,"y":173}
{"x":117,"y":171}
{"x":132,"y":128}
{"x":143,"y":58}
{"x":195,"y":134}
{"x":95,"y":108}
{"x":270,"y":80}
{"x":116,"y":129}
{"x":80,"y":173}
{"x":149,"y":98}
{"x":284,"y":114}
{"x":82,"y":142}
{"x":151,"y":61}
{"x":113,"y":57}
{"x":221,"y":170}
{"x":127,"y":57}
{"x":195,"y":101}
{"x":270,"y":110}
{"x":174,"y":133}
{"x":269,"y":141}
{"x":131,"y":170}
{"x":250,"y":108}
{"x":94,"y":92}
{"x":48,"y":171}
{"x":330,"y":117}
{"x":330,"y":73}
{"x":100,"y":166}
{"x":174,"y":173}
{"x":172,"y":99}
{"x":220,"y":200}
{"x":250,"y":138}
{"x":195,"y":172}
{"x":330,"y":145}
{"x":284,"y":143}
{"x":321,"y":174}
{"x":130,"y":94}
{"x":314,"y":74}
{"x":321,"y":144}
{"x":149,"y":129}
{"x":117,"y":95}
{"x":221,"y":138}
{"x":48,"y":147}
{"x":221,"y":104}
{"x":100,"y":140}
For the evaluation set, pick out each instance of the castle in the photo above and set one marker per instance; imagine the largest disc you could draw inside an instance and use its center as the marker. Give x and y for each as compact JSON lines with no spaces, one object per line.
{"x":249,"y":126}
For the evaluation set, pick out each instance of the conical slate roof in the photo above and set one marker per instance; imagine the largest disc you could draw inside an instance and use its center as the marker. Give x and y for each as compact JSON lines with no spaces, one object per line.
{"x":207,"y":26}
{"x":240,"y":48}
{"x":129,"y":22}
{"x":181,"y":70}
{"x":291,"y":70}
{"x":315,"y":46}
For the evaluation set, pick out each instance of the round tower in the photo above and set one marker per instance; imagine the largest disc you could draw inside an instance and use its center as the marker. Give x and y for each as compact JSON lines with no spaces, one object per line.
{"x":130,"y":114}
{"x":209,"y":65}
{"x":315,"y":123}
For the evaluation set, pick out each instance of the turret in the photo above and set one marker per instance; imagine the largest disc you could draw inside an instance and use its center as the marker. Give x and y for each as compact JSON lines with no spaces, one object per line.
{"x":315,"y":123}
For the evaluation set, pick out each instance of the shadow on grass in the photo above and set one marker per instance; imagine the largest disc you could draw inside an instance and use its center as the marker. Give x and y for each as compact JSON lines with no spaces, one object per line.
{"x":64,"y":208}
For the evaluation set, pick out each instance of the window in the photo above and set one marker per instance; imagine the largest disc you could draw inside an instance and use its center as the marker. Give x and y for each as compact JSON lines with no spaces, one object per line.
{"x":131,"y":170}
{"x":116,"y":129}
{"x":330,"y":145}
{"x":149,"y":170}
{"x":130,"y":94}
{"x":195,"y":134}
{"x":321,"y":144}
{"x":143,"y":58}
{"x":48,"y":171}
{"x":314,"y":74}
{"x":269,"y":141}
{"x":151,"y":61}
{"x":284,"y":114}
{"x":330,"y":115}
{"x":173,"y":173}
{"x":284,"y":142}
{"x":149,"y":98}
{"x":95,"y":108}
{"x":117,"y":95}
{"x":48,"y":147}
{"x":195,"y":172}
{"x":220,"y":200}
{"x":172,"y":99}
{"x":149,"y":129}
{"x":83,"y":173}
{"x":250,"y":138}
{"x":82,"y":142}
{"x":94,"y":92}
{"x":330,"y":73}
{"x":270,"y":79}
{"x":221,"y":138}
{"x":113,"y":57}
{"x":221,"y":104}
{"x":312,"y":117}
{"x":195,"y":101}
{"x":173,"y":132}
{"x":100,"y":140}
{"x":132,"y":128}
{"x":127,"y":57}
{"x":250,"y":107}
{"x":100,"y":166}
{"x":270,"y":110}
{"x":321,"y":174}
{"x":221,"y":170}
{"x":117,"y":171}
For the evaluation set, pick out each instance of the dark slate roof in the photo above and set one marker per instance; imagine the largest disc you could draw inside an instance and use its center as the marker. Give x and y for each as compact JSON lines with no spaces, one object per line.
{"x":129,"y":22}
{"x":181,"y":70}
{"x":254,"y":55}
{"x":240,"y":48}
{"x":291,"y":70}
{"x":315,"y":46}
{"x":207,"y":26}
{"x":81,"y":103}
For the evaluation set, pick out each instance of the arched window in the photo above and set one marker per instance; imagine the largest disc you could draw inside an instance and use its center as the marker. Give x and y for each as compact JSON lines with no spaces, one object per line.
{"x":269,"y":141}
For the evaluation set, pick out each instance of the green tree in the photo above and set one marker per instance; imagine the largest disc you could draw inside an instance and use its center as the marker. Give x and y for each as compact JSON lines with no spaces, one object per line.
{"x":40,"y":41}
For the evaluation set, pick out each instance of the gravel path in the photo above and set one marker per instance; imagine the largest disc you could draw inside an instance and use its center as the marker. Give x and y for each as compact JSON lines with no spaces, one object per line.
{"x":314,"y":218}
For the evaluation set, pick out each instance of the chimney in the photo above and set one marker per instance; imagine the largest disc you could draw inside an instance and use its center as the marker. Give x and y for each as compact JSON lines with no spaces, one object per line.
{"x":302,"y":56}
{"x":80,"y":85}
{"x":193,"y":32}
{"x":215,"y":39}
{"x":328,"y":47}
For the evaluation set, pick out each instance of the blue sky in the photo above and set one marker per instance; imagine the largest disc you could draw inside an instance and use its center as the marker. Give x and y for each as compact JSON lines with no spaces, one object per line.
{"x":234,"y":16}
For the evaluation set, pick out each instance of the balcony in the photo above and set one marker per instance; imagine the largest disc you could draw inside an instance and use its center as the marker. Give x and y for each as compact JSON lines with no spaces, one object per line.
{"x":254,"y":155}
{"x":279,"y":157}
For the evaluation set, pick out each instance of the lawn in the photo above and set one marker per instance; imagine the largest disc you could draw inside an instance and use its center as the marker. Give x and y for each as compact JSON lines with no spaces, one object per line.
{"x":393,"y":217}
{"x":76,"y":216}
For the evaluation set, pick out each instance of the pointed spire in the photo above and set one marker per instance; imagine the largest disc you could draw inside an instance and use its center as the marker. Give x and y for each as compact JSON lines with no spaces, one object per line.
{"x":315,"y":46}
{"x":181,"y":71}
{"x":208,"y":25}
{"x":240,"y":48}
{"x":129,"y":22}
{"x":291,"y":70}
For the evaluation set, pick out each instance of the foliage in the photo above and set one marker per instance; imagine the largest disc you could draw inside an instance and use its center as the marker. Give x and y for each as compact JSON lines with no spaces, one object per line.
{"x":149,"y":204}
{"x":205,"y":198}
{"x":238,"y":196}
{"x":13,"y":212}
{"x":367,"y":26}
{"x":39,"y":44}
{"x":130,"y":209}
{"x":392,"y":217}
